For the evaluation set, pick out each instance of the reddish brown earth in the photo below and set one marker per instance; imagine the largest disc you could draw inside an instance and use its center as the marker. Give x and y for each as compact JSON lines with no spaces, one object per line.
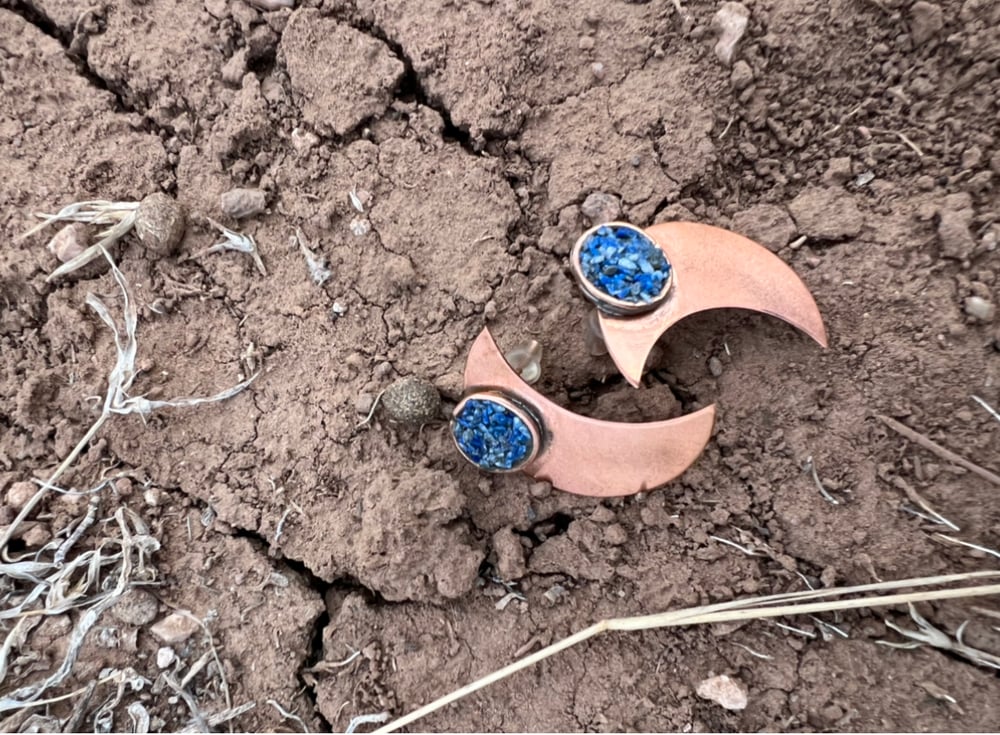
{"x":475,"y":131}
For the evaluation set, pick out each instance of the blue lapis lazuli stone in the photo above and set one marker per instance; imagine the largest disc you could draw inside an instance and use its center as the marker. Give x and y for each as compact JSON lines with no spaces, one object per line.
{"x":625,"y":264}
{"x":491,"y":435}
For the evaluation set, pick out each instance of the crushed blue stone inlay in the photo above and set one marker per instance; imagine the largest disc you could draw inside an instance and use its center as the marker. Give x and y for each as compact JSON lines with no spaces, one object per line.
{"x":491,"y":435}
{"x":625,"y":264}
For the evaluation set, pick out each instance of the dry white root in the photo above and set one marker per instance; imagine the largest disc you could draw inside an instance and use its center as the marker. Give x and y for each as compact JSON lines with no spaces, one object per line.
{"x":74,"y":572}
{"x":158,"y":220}
{"x":235,"y":241}
{"x":927,"y":635}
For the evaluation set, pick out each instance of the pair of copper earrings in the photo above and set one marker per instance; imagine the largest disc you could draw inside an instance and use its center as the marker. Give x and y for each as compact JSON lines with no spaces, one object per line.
{"x":642,"y":282}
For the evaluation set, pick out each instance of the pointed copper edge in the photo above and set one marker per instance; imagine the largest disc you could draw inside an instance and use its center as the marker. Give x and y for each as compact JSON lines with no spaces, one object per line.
{"x":587,"y":456}
{"x":713,"y":269}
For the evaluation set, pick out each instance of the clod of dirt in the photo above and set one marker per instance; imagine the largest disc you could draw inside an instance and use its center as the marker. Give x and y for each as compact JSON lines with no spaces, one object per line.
{"x":20,"y":493}
{"x":767,"y":224}
{"x":926,"y":21}
{"x":340,"y":76}
{"x":240,"y":203}
{"x":742,"y":75}
{"x":955,"y":219}
{"x":411,"y":401}
{"x":137,"y":607}
{"x":601,"y":207}
{"x":160,"y":223}
{"x":725,"y":691}
{"x":980,"y":309}
{"x":410,"y":546}
{"x":510,"y":554}
{"x":838,"y":171}
{"x":826,"y":213}
{"x":615,"y":534}
{"x":175,"y":628}
{"x":69,"y":242}
{"x":730,"y":22}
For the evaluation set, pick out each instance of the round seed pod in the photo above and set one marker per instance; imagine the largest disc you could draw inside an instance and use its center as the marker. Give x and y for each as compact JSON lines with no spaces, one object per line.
{"x":160,"y":223}
{"x":411,"y":401}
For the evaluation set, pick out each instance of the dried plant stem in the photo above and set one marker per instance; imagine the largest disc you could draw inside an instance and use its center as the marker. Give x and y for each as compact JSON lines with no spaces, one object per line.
{"x":749,"y":609}
{"x":932,"y":446}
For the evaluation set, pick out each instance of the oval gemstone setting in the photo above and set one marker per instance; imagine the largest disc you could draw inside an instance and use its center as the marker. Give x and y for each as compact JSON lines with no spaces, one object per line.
{"x":620,"y":266}
{"x":493,"y":433}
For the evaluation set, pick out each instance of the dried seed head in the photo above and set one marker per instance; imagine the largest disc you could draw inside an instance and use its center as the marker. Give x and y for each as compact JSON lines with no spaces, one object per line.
{"x":69,"y":242}
{"x":160,"y":223}
{"x":411,"y":401}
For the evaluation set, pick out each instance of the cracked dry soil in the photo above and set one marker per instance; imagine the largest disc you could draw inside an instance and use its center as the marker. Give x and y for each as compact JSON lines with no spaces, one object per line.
{"x":478,"y":129}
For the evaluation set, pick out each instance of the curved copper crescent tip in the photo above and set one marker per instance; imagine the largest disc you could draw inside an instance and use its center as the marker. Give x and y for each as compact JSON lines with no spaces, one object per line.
{"x":713,"y":269}
{"x":590,"y":457}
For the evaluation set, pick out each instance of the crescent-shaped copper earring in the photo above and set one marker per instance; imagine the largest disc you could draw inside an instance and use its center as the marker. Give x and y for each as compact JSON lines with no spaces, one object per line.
{"x":645,"y":281}
{"x":503,"y":425}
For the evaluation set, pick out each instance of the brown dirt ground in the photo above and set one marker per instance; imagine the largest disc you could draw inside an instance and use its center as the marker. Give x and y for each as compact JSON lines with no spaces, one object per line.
{"x":478,"y":129}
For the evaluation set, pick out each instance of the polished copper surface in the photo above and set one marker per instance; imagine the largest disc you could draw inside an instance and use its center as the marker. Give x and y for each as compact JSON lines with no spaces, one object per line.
{"x":587,"y":456}
{"x":712,"y":269}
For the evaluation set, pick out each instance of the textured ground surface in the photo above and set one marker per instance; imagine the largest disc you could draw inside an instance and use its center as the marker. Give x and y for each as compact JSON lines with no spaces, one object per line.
{"x":474,"y":131}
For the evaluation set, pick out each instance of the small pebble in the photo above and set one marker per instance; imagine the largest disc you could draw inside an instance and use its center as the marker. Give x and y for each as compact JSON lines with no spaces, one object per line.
{"x":586,"y":43}
{"x":337,"y":310}
{"x":742,"y":76}
{"x":715,"y":366}
{"x":510,"y":555}
{"x":600,"y":207}
{"x":540,"y":490}
{"x":164,"y":657}
{"x":240,"y":203}
{"x":980,"y":309}
{"x":725,"y":691}
{"x":602,"y":514}
{"x":69,"y":242}
{"x":926,"y":21}
{"x":411,"y":401}
{"x":363,"y":403}
{"x":615,"y":534}
{"x":36,"y":536}
{"x":555,"y":593}
{"x":730,"y":22}
{"x":597,"y":69}
{"x":20,"y":493}
{"x":303,"y":140}
{"x":360,"y":226}
{"x":175,"y":628}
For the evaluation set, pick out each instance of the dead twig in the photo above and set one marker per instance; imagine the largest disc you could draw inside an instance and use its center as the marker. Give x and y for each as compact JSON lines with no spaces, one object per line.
{"x":932,"y":446}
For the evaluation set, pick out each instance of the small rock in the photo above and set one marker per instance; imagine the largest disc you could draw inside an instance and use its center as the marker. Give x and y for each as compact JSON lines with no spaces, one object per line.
{"x":715,"y":366}
{"x":175,"y":628}
{"x":926,"y":21}
{"x":240,"y":203}
{"x":337,"y":310}
{"x":154,"y":497}
{"x":36,"y":536}
{"x":235,"y":68}
{"x":555,"y":593}
{"x":602,"y":514}
{"x":838,"y":171}
{"x":164,"y":657}
{"x":767,"y":224}
{"x":972,"y":157}
{"x":826,"y":213}
{"x":730,"y":22}
{"x":411,"y":401}
{"x":364,"y":402}
{"x":725,"y":691}
{"x":217,"y":8}
{"x":303,"y":140}
{"x":586,"y":43}
{"x":980,"y":309}
{"x":20,"y":493}
{"x":510,"y":555}
{"x":69,"y":242}
{"x":742,"y":75}
{"x":597,"y":69}
{"x":953,"y":232}
{"x":540,"y":490}
{"x":137,"y":607}
{"x":615,"y":534}
{"x":360,"y":226}
{"x":600,"y":207}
